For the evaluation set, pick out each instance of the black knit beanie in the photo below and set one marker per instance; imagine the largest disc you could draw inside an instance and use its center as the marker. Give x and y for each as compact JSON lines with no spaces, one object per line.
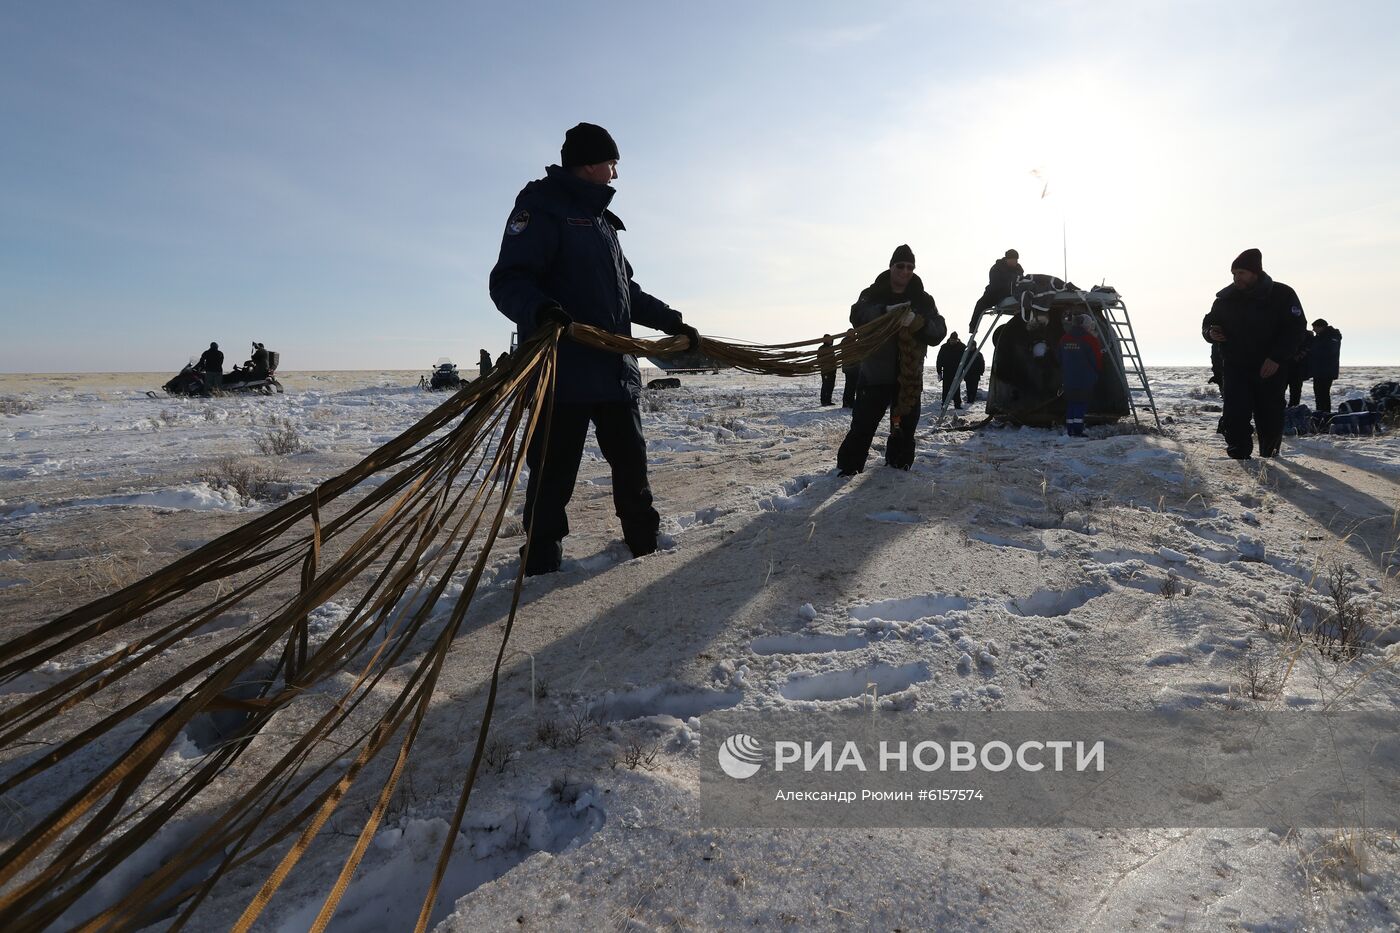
{"x":1251,"y":260}
{"x":587,"y":144}
{"x":902,"y":253}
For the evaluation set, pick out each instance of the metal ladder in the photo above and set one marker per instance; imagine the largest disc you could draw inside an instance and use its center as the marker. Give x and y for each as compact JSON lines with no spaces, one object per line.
{"x":1116,"y":316}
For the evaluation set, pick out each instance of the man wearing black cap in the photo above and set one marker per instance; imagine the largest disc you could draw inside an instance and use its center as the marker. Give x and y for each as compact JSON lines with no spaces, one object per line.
{"x":1258,"y":324}
{"x":881,"y":371}
{"x":1324,"y":362}
{"x":211,"y":363}
{"x":561,"y":262}
{"x":1001,"y":283}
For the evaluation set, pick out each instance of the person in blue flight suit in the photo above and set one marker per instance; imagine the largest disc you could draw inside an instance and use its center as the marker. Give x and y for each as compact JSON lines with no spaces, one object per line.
{"x":561,"y":262}
{"x":1081,"y":361}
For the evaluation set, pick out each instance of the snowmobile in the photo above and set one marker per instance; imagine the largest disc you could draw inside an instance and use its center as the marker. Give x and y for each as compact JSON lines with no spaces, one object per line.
{"x":443,"y":377}
{"x":1025,"y":384}
{"x":192,"y":380}
{"x":691,"y":361}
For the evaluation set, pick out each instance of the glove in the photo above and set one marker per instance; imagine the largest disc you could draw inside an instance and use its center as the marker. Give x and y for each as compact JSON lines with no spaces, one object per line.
{"x":908,"y":319}
{"x":693,"y":334}
{"x":553,"y":314}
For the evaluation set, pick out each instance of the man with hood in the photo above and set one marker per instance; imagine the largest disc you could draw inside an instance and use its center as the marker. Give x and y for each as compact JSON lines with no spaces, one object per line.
{"x":1001,"y":283}
{"x":897,"y":289}
{"x":1324,"y":361}
{"x":561,"y":262}
{"x":211,"y":363}
{"x":261,"y":363}
{"x":1258,"y":324}
{"x":946,"y":363}
{"x":484,"y":362}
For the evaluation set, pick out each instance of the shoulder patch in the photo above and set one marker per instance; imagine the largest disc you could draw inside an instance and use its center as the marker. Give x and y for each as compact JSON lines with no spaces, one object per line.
{"x":518,"y":223}
{"x":1297,"y":311}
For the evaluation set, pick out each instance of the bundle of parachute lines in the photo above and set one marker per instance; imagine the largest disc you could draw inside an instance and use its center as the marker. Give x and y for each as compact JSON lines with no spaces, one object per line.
{"x":429,"y":507}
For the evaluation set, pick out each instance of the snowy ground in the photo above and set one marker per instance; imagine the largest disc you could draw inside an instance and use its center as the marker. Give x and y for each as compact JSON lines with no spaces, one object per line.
{"x":1009,"y":569}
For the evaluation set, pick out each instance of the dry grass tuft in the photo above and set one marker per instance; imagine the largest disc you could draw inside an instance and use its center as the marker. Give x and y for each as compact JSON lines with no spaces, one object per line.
{"x":283,"y":438}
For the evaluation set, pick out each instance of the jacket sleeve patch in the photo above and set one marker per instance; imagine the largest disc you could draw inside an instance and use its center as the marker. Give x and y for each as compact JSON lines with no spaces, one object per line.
{"x":1297,"y":311}
{"x":518,"y":223}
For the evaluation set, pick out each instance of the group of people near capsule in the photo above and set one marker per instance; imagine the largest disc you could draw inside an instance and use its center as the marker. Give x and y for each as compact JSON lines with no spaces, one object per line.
{"x":561,"y":261}
{"x":211,"y":364}
{"x":1260,"y":350}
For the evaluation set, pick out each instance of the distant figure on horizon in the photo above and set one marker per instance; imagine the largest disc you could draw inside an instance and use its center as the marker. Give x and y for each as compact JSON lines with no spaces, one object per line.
{"x":946,"y":365}
{"x":973,"y":376}
{"x":561,"y":261}
{"x":826,"y":358}
{"x":211,"y":363}
{"x":894,"y":288}
{"x":850,"y":372}
{"x":1258,"y":324}
{"x":261,"y":363}
{"x":1081,"y":361}
{"x":1001,"y":283}
{"x":485,"y":363}
{"x":1325,"y":362}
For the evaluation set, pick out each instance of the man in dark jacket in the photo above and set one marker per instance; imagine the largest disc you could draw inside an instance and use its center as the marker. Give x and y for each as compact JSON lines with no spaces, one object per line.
{"x":261,"y":363}
{"x":561,"y":262}
{"x":946,"y":364}
{"x":850,"y":372}
{"x":1258,"y":324}
{"x":1001,"y":283}
{"x":973,"y":376}
{"x":211,"y":363}
{"x":484,"y":363}
{"x":1324,"y":361}
{"x":1298,"y":369}
{"x":899,"y":289}
{"x":826,"y":357}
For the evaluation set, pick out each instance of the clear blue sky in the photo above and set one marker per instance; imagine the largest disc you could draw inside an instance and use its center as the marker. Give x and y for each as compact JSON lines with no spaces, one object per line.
{"x":332,"y":178}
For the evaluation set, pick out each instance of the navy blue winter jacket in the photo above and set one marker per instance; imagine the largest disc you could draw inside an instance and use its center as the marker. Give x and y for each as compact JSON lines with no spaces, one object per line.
{"x":882,"y":366}
{"x":560,"y":246}
{"x":1263,"y":322}
{"x":1081,"y":361}
{"x":1325,"y":355}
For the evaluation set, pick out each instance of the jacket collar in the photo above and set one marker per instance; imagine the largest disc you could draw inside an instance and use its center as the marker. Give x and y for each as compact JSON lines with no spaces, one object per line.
{"x":594,"y":198}
{"x":1261,"y":288}
{"x":882,"y":283}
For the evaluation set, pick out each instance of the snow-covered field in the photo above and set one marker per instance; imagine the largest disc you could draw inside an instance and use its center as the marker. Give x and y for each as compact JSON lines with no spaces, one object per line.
{"x":1008,"y":570}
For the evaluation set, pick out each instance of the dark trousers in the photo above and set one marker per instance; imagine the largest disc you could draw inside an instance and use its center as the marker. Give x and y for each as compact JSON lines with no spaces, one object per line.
{"x":872,"y":401}
{"x":972,"y":382}
{"x":828,"y":386}
{"x":1249,"y":398}
{"x":1295,"y":387}
{"x":957,"y":392}
{"x":618,"y":426}
{"x":1322,"y":388}
{"x":848,"y":390}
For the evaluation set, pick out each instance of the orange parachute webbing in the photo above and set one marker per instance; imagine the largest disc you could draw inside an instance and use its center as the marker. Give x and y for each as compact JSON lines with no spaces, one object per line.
{"x":393,"y":551}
